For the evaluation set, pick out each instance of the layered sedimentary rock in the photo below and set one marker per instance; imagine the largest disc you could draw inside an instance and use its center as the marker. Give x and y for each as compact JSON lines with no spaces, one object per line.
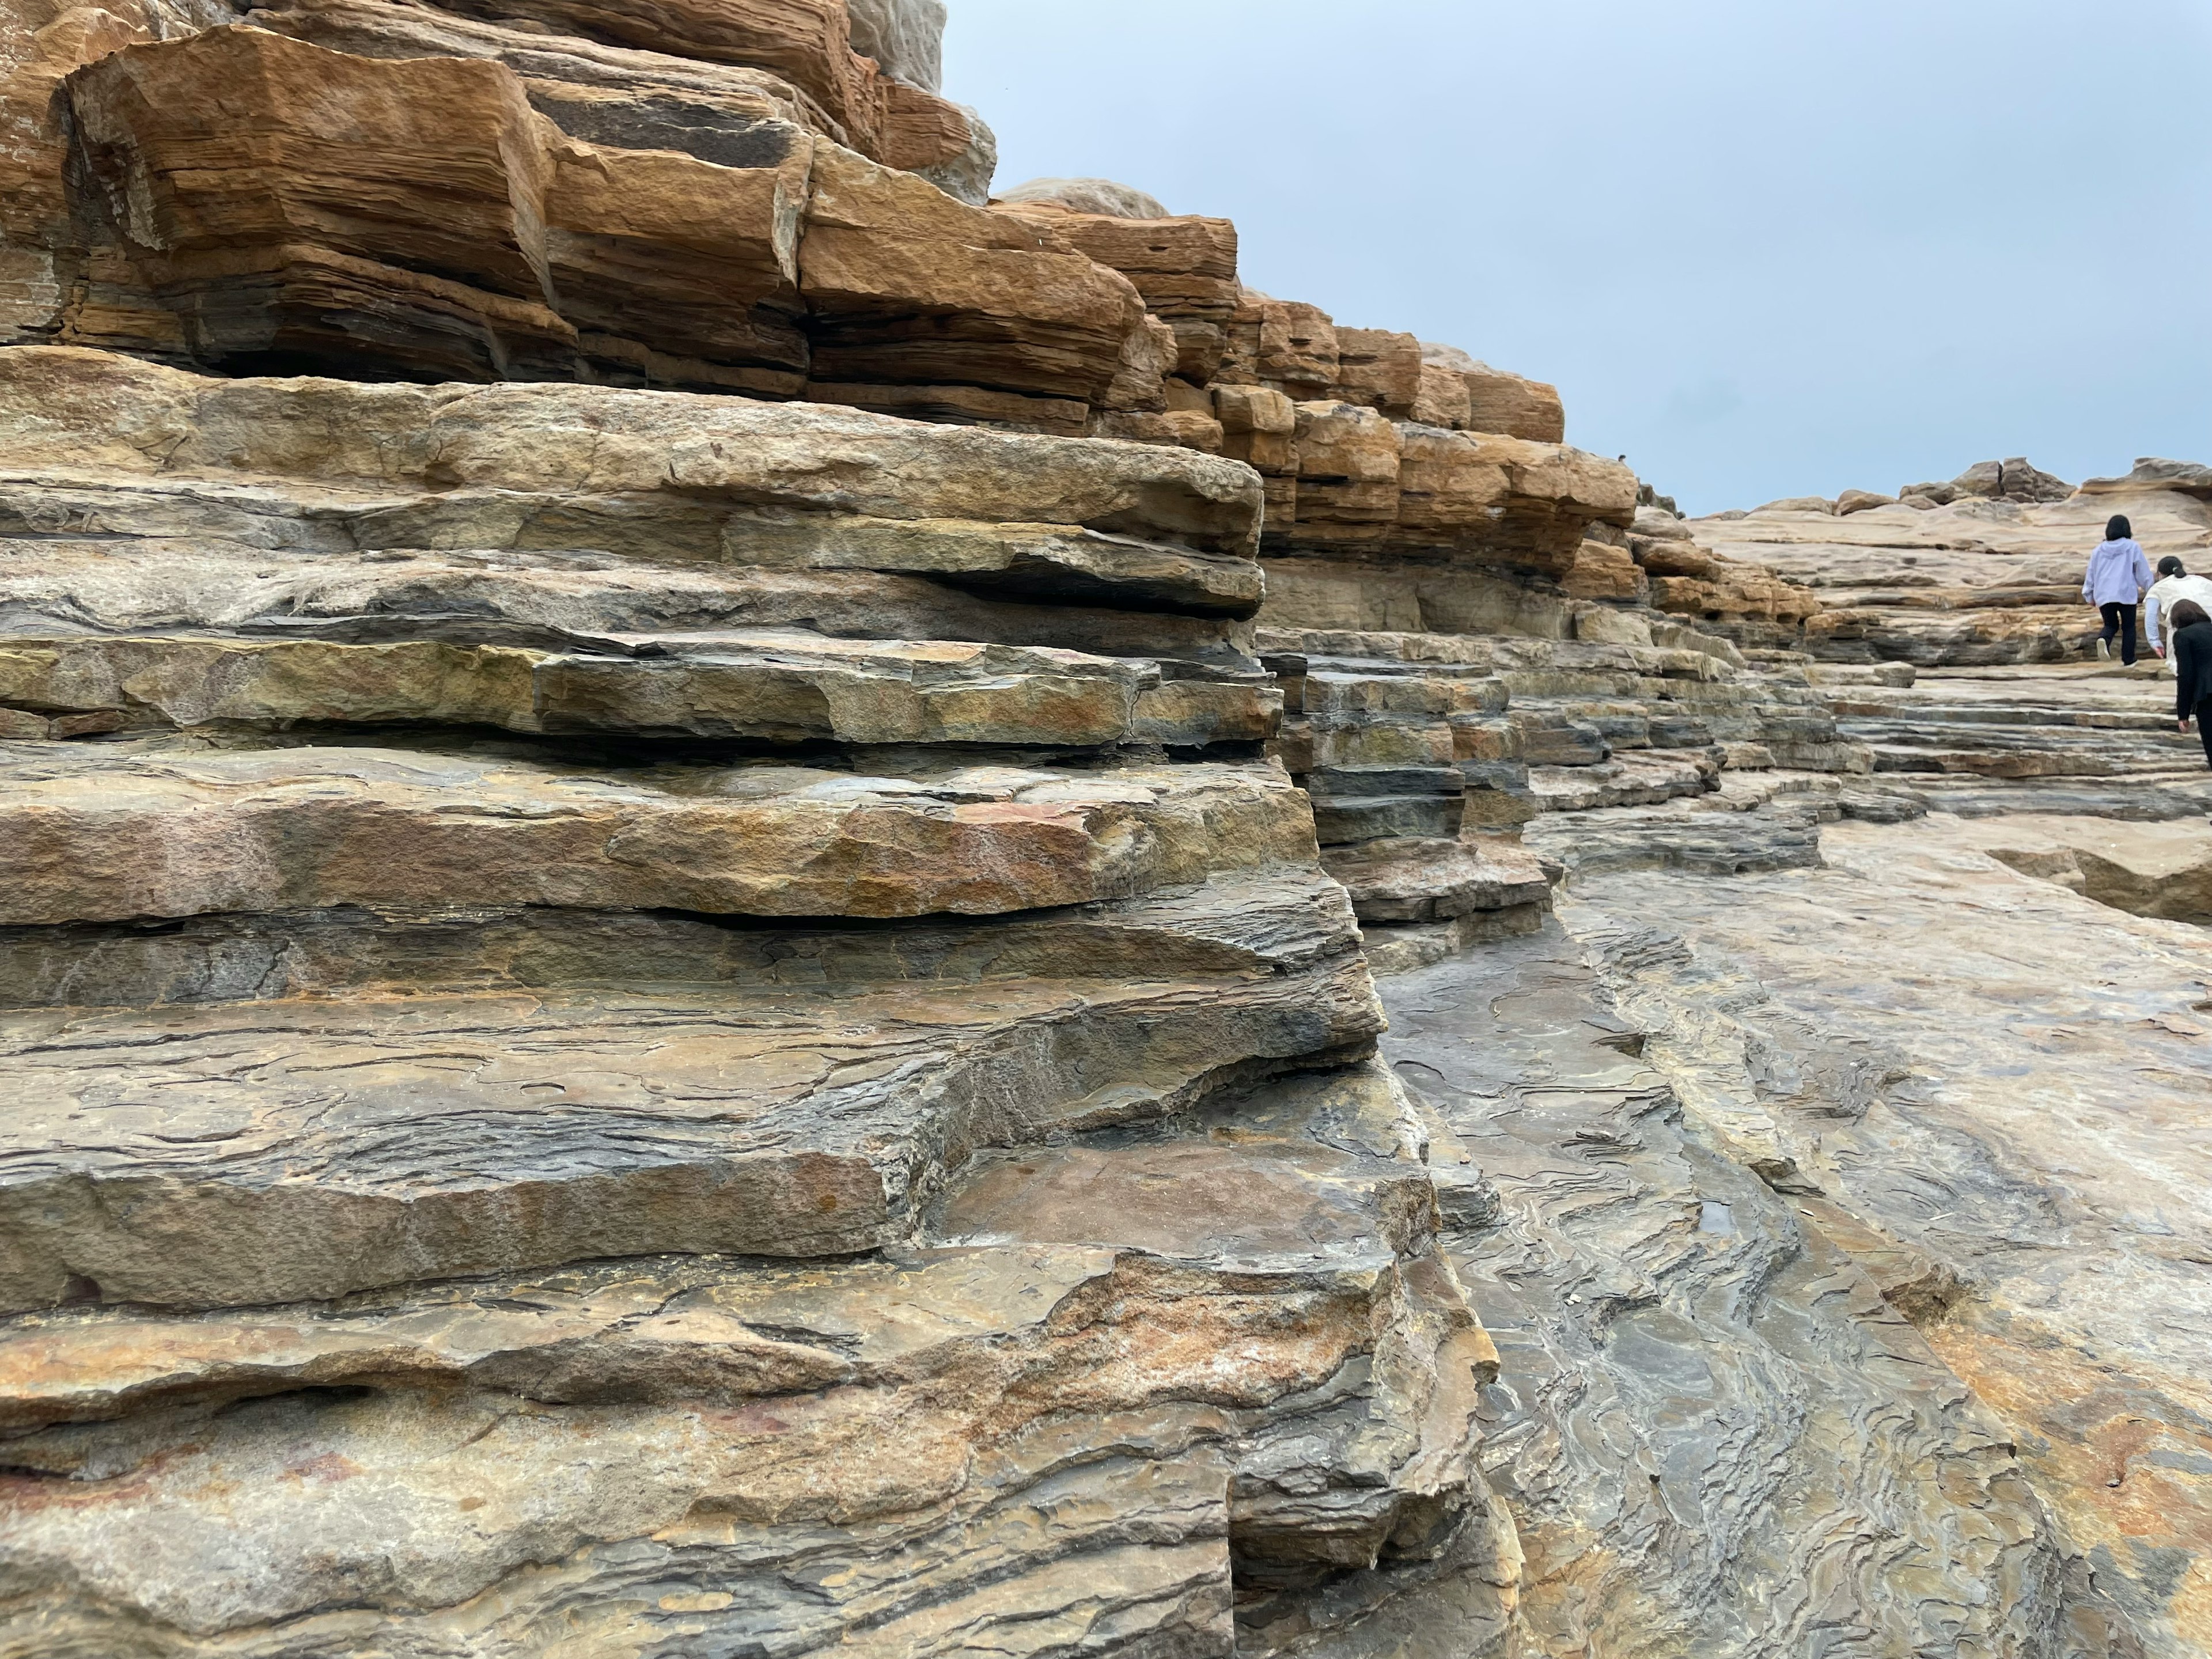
{"x":1714,"y":1433}
{"x":411,"y":194}
{"x":687,"y":950}
{"x":1984,"y":570}
{"x":609,"y":1006}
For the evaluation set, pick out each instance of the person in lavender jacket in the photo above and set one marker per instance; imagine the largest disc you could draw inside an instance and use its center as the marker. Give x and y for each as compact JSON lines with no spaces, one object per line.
{"x":2118,"y":576}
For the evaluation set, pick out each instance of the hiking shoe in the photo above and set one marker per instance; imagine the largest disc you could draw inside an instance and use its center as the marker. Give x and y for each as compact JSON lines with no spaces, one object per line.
{"x":2104,"y":649}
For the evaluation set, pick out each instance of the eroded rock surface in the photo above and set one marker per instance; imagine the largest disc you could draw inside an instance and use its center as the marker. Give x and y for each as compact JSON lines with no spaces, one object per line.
{"x":688,"y":948}
{"x":1986,"y":574}
{"x":1988,"y":1093}
{"x":1715,"y":1435}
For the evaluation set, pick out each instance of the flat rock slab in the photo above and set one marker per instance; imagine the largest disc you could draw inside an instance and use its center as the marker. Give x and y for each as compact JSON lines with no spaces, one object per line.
{"x":1322,"y":1167}
{"x":1684,"y":1357}
{"x":1363,"y":652}
{"x":281,"y":1151}
{"x":2134,"y":797}
{"x":1265,"y":922}
{"x":1785,"y":834}
{"x":571,"y":596}
{"x":113,"y":417}
{"x":118,"y":831}
{"x":782,"y":686}
{"x":2005,"y":1083}
{"x":1631,"y":780}
{"x":1423,"y":880}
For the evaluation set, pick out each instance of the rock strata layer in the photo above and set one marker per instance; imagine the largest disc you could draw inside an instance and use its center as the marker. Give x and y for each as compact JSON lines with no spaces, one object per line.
{"x":696,"y":834}
{"x":648,"y":1005}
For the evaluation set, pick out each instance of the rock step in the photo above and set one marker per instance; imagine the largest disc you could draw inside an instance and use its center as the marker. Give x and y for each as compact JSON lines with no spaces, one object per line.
{"x":1340,"y":821}
{"x":1931,"y":714}
{"x":674,"y":467}
{"x":1269,"y":921}
{"x":113,"y":831}
{"x":676,"y":1426}
{"x":2140,"y":797}
{"x":2003,"y":752}
{"x":303,"y":1149}
{"x":553,"y":600}
{"x":1482,"y":653}
{"x":1066,"y":563}
{"x":1629,"y":780}
{"x":1783,"y":836}
{"x":780,"y":686}
{"x":1419,"y":880}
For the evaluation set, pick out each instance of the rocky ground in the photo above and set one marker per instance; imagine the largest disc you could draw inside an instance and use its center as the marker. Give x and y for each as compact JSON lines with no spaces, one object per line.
{"x":752,"y":904}
{"x":1974,"y":579}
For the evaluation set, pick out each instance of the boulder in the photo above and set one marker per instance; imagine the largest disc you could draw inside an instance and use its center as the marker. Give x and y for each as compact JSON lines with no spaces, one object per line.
{"x":1658,"y":523}
{"x":1603,"y":572}
{"x":1510,"y":404}
{"x":1100,"y":196}
{"x":1799,"y":504}
{"x":1861,"y":500}
{"x":2014,"y":480}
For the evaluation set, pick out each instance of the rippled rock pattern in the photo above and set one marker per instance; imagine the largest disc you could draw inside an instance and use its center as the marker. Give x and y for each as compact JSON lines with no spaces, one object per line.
{"x":695,"y":832}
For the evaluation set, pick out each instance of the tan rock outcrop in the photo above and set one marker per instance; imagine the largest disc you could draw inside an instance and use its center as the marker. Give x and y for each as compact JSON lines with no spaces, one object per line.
{"x":397,"y":196}
{"x":1968,"y":578}
{"x":807,"y":42}
{"x":1500,"y":402}
{"x":1184,"y":267}
{"x":644,"y":1014}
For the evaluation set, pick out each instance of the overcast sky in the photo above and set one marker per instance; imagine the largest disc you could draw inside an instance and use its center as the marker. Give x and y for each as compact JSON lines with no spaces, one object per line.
{"x":1764,"y":247}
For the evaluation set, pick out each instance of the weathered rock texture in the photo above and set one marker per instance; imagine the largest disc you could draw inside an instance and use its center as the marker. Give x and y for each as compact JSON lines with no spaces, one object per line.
{"x":687,"y":947}
{"x":1984,"y":570}
{"x":1986,"y":1093}
{"x":629,"y":1053}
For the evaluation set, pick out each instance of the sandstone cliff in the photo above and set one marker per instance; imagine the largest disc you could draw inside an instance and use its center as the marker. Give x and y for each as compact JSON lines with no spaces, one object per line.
{"x":696,"y":834}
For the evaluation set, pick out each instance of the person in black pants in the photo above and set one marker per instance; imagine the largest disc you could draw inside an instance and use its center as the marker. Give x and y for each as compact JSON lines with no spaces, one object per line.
{"x":2118,"y":576}
{"x":2192,"y":662}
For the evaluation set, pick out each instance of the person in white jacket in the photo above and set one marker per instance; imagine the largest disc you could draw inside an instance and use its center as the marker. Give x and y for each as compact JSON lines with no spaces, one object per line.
{"x":2174,"y":584}
{"x":2118,"y":576}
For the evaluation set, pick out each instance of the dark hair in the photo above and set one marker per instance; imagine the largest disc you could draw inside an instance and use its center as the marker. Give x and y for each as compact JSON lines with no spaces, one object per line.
{"x":2118,"y":529}
{"x":2170,"y":566}
{"x":2186,"y":613}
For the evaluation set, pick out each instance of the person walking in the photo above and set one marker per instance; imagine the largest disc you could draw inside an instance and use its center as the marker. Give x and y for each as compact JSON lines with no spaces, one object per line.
{"x":2174,"y":584}
{"x":2118,"y":575}
{"x":2192,"y":670}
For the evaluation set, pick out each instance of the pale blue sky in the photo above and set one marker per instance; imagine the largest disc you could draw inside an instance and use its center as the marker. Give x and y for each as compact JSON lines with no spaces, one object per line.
{"x":1766,"y":247}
